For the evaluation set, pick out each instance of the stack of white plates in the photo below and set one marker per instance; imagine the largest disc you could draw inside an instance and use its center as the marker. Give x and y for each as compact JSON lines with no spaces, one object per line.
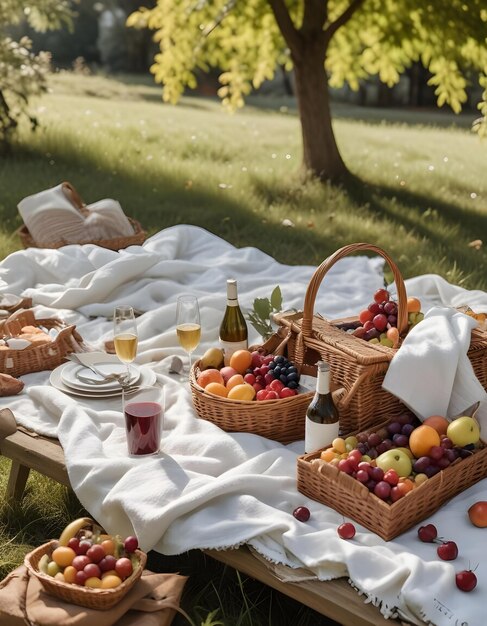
{"x":79,"y":380}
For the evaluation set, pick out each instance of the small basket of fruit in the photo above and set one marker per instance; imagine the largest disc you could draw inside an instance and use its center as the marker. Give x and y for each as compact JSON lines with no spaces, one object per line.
{"x":258,"y":392}
{"x":87,"y":567}
{"x":359,"y":349}
{"x":398,"y":473}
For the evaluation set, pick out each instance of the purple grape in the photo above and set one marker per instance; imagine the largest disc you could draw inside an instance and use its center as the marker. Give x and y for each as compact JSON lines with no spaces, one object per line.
{"x":374,"y":308}
{"x":464,"y":453}
{"x":362,"y":448}
{"x":382,"y":490}
{"x":446,"y":443}
{"x":406,"y":418}
{"x":392,"y":319}
{"x":362,"y":437}
{"x":374,"y":440}
{"x":407,"y":429}
{"x":381,"y":448}
{"x":451,"y":454}
{"x":443,"y":462}
{"x":377,"y":474}
{"x":373,"y":333}
{"x":401,"y":441}
{"x":394,"y":428}
{"x":370,"y":484}
{"x":372,"y":453}
{"x":436,"y":452}
{"x":390,"y":308}
{"x":431,"y":470}
{"x":420,"y":465}
{"x":380,"y":322}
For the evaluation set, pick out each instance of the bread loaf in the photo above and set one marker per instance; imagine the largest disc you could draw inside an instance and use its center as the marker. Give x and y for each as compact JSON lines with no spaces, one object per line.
{"x":10,"y":386}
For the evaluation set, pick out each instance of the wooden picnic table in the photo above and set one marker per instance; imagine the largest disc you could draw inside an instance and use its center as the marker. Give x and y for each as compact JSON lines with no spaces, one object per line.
{"x":335,"y":599}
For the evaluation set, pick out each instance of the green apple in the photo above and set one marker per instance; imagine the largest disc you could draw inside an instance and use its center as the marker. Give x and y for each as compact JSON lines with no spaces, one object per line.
{"x":397,"y":460}
{"x":463,"y":431}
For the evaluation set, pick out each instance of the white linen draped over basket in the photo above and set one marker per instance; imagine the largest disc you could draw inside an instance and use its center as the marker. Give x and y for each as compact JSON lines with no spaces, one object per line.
{"x":210,"y":489}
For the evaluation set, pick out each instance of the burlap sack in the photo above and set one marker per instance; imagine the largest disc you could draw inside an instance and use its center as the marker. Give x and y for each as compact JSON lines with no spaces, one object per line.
{"x":152,"y":601}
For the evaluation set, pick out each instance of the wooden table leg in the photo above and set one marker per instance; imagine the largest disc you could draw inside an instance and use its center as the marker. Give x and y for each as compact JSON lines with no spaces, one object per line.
{"x":16,"y":481}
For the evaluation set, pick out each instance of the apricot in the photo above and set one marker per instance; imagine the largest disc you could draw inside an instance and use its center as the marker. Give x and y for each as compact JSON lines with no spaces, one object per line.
{"x":236,"y":379}
{"x":477,"y":514}
{"x":241,"y":360}
{"x":63,"y":556}
{"x":413,"y":305}
{"x":94,"y":582}
{"x":422,"y":439}
{"x":70,"y":574}
{"x":242,"y":392}
{"x":209,"y":376}
{"x":109,"y":582}
{"x":438,"y":422}
{"x":217,"y":389}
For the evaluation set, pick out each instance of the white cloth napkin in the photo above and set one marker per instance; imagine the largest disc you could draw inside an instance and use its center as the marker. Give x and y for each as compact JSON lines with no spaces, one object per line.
{"x":209,"y":488}
{"x":431,"y":372}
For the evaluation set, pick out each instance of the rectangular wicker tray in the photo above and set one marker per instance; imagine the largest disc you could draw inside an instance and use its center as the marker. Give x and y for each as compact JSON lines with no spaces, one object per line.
{"x":325,"y":483}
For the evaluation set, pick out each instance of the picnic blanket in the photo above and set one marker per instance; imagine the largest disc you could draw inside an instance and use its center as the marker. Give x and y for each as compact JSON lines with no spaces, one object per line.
{"x":208,"y":488}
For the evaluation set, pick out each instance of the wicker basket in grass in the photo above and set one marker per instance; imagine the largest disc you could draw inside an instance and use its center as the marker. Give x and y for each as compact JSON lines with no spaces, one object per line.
{"x":35,"y":358}
{"x":281,"y":420}
{"x":116,"y":243}
{"x":325,"y":483}
{"x":89,"y":597}
{"x":358,"y":367}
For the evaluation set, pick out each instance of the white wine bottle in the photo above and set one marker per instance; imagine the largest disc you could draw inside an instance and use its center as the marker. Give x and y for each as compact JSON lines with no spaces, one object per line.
{"x":233,"y":329}
{"x":322,"y":423}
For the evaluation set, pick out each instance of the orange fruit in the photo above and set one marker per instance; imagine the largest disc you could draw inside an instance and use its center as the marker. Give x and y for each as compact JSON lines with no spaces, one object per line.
{"x":422,"y":439}
{"x":236,"y":379}
{"x":209,"y":376}
{"x":241,"y":360}
{"x":70,"y":574}
{"x":413,"y":305}
{"x":109,"y":546}
{"x":438,"y":422}
{"x":477,"y":514}
{"x":63,"y":556}
{"x":109,"y":582}
{"x":217,"y":389}
{"x":242,"y":392}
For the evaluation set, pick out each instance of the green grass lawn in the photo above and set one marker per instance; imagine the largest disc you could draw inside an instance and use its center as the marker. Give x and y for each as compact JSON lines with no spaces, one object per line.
{"x":419,"y":190}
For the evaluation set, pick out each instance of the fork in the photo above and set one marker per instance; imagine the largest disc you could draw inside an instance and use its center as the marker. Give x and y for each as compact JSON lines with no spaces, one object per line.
{"x":111,"y":376}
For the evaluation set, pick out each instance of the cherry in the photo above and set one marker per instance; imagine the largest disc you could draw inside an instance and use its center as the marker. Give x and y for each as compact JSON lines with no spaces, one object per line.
{"x":448,"y":551}
{"x":131,"y":544}
{"x":301,"y":513}
{"x":427,"y":533}
{"x":346,"y":530}
{"x":466,"y":580}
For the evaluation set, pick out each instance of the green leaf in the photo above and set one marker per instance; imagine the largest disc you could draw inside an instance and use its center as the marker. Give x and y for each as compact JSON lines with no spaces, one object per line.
{"x":276,"y":299}
{"x":262,"y":307}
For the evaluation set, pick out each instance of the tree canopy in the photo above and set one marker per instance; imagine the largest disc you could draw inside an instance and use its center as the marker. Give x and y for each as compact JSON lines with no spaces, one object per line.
{"x":23,"y":73}
{"x":352,"y":39}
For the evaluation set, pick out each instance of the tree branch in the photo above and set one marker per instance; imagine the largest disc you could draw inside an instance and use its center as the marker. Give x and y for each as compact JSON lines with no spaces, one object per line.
{"x":286,"y":25}
{"x":342,"y":19}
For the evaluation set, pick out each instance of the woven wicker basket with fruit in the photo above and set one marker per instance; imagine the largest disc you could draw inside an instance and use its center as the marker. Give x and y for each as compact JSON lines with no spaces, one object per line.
{"x":258,"y":392}
{"x":87,"y":567}
{"x":392,"y":476}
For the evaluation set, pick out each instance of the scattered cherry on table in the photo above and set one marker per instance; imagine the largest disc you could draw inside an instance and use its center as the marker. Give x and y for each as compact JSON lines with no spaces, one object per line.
{"x":346,"y":530}
{"x":301,"y":513}
{"x":448,"y":551}
{"x":466,"y":580}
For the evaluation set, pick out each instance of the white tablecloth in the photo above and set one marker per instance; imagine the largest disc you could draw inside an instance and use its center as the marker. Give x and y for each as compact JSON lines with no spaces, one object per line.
{"x":210,"y":489}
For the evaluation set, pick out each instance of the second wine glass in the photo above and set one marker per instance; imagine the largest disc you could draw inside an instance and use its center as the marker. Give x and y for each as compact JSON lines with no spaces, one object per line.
{"x":125,"y":335}
{"x":188,"y":326}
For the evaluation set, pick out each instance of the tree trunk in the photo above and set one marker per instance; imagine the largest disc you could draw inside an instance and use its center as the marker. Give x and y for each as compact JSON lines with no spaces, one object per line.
{"x":321,"y":157}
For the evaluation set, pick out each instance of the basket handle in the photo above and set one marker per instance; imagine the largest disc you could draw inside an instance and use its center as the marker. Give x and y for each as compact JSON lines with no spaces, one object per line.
{"x":321,"y":270}
{"x":73,"y":196}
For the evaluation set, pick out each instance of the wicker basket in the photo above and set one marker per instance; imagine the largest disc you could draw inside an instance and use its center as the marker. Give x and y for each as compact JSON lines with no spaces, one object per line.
{"x":117,"y":243}
{"x":76,"y":594}
{"x":36,"y":358}
{"x":282,"y":420}
{"x":358,"y":367}
{"x":325,"y":483}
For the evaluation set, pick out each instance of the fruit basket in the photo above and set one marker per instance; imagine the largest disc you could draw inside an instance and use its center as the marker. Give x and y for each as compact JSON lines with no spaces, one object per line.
{"x":358,"y":367}
{"x":89,"y":597}
{"x":45,"y":354}
{"x":281,"y":420}
{"x":325,"y":483}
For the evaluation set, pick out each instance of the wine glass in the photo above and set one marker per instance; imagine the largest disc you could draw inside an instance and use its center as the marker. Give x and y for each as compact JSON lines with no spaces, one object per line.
{"x":188,"y":326}
{"x":125,"y":335}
